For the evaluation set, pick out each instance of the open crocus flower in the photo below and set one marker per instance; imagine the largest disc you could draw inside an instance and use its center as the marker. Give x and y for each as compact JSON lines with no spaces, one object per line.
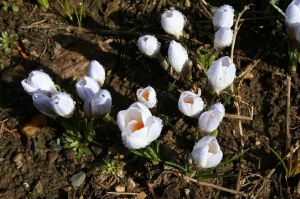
{"x":223,"y":17}
{"x":96,"y":71}
{"x":38,"y":81}
{"x":223,"y":38}
{"x":148,"y":45}
{"x":172,"y":21}
{"x":206,"y":153}
{"x":101,"y":103}
{"x":147,"y":96}
{"x":292,"y":17}
{"x":86,"y":87}
{"x":210,"y":120}
{"x":221,"y":74}
{"x":139,"y":128}
{"x":62,"y":104}
{"x":177,"y":56}
{"x":42,"y":103}
{"x":190,"y":104}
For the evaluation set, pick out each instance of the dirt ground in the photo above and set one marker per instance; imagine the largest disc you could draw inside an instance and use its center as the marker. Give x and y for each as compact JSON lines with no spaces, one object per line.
{"x":39,"y":166}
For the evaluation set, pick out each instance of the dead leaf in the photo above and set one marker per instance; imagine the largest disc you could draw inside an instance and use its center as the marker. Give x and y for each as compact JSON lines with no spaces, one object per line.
{"x":142,"y":195}
{"x":31,"y":128}
{"x":105,"y":46}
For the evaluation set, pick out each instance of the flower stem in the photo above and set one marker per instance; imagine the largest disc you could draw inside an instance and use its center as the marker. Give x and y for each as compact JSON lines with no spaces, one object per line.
{"x":173,"y":164}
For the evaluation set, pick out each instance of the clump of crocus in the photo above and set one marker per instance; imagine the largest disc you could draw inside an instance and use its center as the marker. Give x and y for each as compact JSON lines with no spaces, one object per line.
{"x":211,"y":119}
{"x":178,"y":57}
{"x":39,"y":81}
{"x":172,"y":21}
{"x":190,"y":104}
{"x":221,"y":74}
{"x":206,"y":153}
{"x":138,"y":126}
{"x":223,"y":17}
{"x":147,"y":96}
{"x":96,"y":71}
{"x":148,"y":45}
{"x":223,"y":38}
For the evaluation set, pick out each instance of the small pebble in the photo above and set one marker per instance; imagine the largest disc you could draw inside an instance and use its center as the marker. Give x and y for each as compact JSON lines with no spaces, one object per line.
{"x":52,"y":156}
{"x":120,"y":189}
{"x":78,"y":179}
{"x":19,"y":160}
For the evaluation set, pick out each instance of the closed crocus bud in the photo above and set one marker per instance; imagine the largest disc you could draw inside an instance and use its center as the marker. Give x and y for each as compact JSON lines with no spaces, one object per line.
{"x":209,"y":121}
{"x":42,"y":103}
{"x":86,"y":87}
{"x":38,"y":81}
{"x":148,"y":45}
{"x":62,"y":104}
{"x":206,"y":153}
{"x":221,"y":74}
{"x":292,"y":17}
{"x":223,"y":38}
{"x":190,"y":104}
{"x":139,"y":128}
{"x":219,"y":107}
{"x":147,"y":96}
{"x":101,"y":103}
{"x":96,"y":71}
{"x":177,"y":56}
{"x":172,"y":21}
{"x":223,"y":17}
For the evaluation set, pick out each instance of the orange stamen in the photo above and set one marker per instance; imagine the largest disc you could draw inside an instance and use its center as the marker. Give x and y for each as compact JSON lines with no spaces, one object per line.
{"x":189,"y":101}
{"x":139,"y":125}
{"x":146,"y":95}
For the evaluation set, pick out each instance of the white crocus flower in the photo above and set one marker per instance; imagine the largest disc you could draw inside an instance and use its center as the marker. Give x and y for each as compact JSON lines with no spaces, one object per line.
{"x":292,"y":17}
{"x":148,"y":45}
{"x":206,"y":153}
{"x":223,"y":17}
{"x":177,"y":56}
{"x":190,"y":104}
{"x":223,"y":38}
{"x":209,"y":121}
{"x":62,"y":104}
{"x":96,"y":71}
{"x":172,"y":21}
{"x":221,"y":74}
{"x":147,"y":96}
{"x":42,"y":103}
{"x":38,"y":81}
{"x":219,"y":107}
{"x":101,"y":103}
{"x":86,"y":87}
{"x":139,"y":128}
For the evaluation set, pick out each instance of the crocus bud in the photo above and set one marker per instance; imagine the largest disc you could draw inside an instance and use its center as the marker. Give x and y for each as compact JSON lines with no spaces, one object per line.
{"x":87,"y":108}
{"x":190,"y":104}
{"x":101,"y":103}
{"x":86,"y":87}
{"x":292,"y":17}
{"x":139,"y":128}
{"x":96,"y":71}
{"x":206,"y":153}
{"x":223,"y":17}
{"x":209,"y":121}
{"x":172,"y":21}
{"x":148,"y":45}
{"x":147,"y":96}
{"x":223,"y":38}
{"x":221,"y":74}
{"x":177,"y":56}
{"x":62,"y":104}
{"x":219,"y":107}
{"x":38,"y":81}
{"x":42,"y":103}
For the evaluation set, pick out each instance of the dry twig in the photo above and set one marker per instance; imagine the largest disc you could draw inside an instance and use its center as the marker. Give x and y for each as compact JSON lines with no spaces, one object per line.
{"x":287,"y":115}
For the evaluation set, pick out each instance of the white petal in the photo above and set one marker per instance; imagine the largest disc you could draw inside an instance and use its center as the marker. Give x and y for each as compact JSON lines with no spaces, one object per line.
{"x":223,"y":17}
{"x":214,"y":159}
{"x":42,"y":103}
{"x":101,"y":103}
{"x":172,"y":21}
{"x":219,"y":107}
{"x":292,"y":17}
{"x":209,"y":121}
{"x":154,"y":125}
{"x":148,"y":45}
{"x":223,"y":38}
{"x":62,"y":104}
{"x":177,"y":56}
{"x":86,"y":88}
{"x":135,"y":140}
{"x":87,"y":108}
{"x":96,"y":71}
{"x":121,"y":120}
{"x":142,"y":109}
